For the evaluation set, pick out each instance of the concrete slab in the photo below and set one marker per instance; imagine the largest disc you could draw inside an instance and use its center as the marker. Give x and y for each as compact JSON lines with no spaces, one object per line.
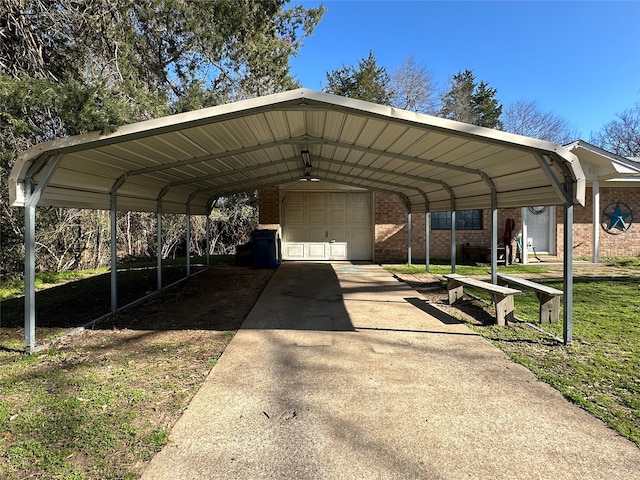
{"x":342,"y":372}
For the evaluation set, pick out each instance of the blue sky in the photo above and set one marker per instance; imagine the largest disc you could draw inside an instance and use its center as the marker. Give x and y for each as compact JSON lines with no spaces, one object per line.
{"x":577,"y":59}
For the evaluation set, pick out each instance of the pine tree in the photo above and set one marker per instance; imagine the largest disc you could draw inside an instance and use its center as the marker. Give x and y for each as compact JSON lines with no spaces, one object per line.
{"x":367,"y":82}
{"x":69,"y":67}
{"x":471,"y":102}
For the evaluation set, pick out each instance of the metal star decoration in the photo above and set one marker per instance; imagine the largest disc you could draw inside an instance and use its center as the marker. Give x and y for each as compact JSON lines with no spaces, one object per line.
{"x":617,"y":218}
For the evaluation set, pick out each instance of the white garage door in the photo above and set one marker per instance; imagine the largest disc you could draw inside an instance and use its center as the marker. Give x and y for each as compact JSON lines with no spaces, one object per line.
{"x":327,"y":226}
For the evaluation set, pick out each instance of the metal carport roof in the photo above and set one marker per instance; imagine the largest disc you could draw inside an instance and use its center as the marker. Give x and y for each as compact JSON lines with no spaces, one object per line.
{"x":188,"y":160}
{"x":182,"y":163}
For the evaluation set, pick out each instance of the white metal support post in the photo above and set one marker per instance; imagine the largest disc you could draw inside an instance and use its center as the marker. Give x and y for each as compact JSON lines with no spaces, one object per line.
{"x":29,"y":273}
{"x":159,"y":234}
{"x":210,"y":203}
{"x":453,"y":239}
{"x":114,"y":253}
{"x":494,"y":240}
{"x":188,"y":240}
{"x":567,"y":326}
{"x":113,"y":217}
{"x":595,"y":254}
{"x":208,"y":227}
{"x":427,"y":226}
{"x":32,"y":197}
{"x":159,"y":242}
{"x":524,"y":247}
{"x":409,"y":238}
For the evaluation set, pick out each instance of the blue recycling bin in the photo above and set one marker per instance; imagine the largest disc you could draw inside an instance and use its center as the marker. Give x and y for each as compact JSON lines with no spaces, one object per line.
{"x":265,"y":248}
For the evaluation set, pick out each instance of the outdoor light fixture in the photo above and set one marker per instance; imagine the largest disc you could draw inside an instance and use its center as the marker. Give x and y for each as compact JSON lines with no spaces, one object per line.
{"x":306,"y":159}
{"x":308,"y":178}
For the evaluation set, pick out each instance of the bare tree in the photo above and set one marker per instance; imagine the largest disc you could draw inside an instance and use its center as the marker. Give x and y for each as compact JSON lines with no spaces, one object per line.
{"x":232,"y":220}
{"x":621,"y":136}
{"x":413,"y":88}
{"x":524,"y":117}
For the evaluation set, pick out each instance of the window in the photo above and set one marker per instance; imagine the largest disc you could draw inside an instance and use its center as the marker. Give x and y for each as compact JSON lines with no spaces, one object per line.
{"x":465,"y":220}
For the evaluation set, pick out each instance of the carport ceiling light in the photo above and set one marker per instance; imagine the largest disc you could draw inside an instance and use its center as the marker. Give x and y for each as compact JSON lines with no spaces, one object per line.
{"x":308,"y":178}
{"x":306,"y":159}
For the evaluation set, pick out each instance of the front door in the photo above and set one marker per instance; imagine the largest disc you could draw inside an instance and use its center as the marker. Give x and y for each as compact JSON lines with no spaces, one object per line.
{"x":539,"y":229}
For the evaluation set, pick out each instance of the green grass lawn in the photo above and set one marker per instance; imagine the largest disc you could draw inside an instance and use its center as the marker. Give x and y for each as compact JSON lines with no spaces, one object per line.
{"x":600,"y":370}
{"x":99,"y":404}
{"x":100,"y":408}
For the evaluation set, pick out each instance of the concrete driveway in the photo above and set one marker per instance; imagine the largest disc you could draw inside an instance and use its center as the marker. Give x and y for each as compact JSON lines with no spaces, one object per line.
{"x":341,"y":372}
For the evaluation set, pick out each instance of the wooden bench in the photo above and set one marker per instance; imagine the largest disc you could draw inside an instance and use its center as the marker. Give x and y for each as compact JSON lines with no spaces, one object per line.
{"x":548,"y":297}
{"x":502,"y":296}
{"x":483,"y":252}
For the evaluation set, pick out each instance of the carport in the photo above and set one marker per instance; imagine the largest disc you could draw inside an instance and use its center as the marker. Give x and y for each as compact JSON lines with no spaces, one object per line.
{"x":182,"y":163}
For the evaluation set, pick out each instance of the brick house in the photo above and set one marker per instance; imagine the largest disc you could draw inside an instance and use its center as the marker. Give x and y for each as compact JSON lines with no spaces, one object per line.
{"x":378,"y":221}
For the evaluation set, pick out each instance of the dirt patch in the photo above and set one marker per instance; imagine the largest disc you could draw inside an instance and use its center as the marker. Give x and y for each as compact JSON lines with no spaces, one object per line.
{"x":434,"y":291}
{"x":106,"y":398}
{"x":217,"y":299}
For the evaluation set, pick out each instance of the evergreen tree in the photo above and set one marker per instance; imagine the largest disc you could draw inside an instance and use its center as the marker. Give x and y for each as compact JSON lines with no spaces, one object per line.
{"x":471,"y":102}
{"x":69,"y":67}
{"x":367,"y":82}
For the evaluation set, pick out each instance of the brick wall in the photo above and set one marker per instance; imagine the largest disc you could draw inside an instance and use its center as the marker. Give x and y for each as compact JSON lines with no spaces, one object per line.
{"x":628,"y":243}
{"x":623,"y":245}
{"x":391,"y":227}
{"x":269,"y":207}
{"x":391,"y":232}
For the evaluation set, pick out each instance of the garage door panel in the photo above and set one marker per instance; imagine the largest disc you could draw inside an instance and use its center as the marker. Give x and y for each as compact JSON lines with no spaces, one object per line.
{"x":338,"y":234}
{"x":338,"y":251}
{"x":359,"y":215}
{"x":317,"y":251}
{"x":295,"y":198}
{"x":360,"y":199}
{"x":316,"y":234}
{"x":294,"y":251}
{"x":337,"y":216}
{"x":337,"y":199}
{"x":359,"y":251}
{"x":315,"y":216}
{"x":327,"y":226}
{"x":295,"y":215}
{"x":316,"y":199}
{"x":360,"y":234}
{"x":297,"y":234}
